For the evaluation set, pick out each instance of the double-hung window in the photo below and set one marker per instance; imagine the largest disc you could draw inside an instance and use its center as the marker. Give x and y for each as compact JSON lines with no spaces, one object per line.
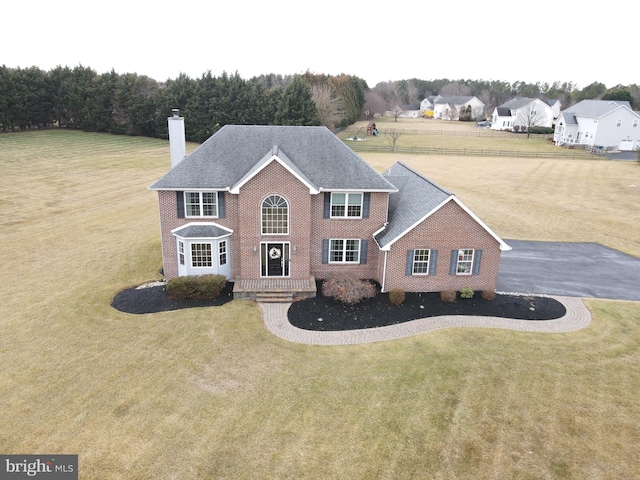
{"x":464,"y":265}
{"x":344,"y":251}
{"x":222,"y":252}
{"x":421,"y":261}
{"x":201,"y":204}
{"x":346,"y":205}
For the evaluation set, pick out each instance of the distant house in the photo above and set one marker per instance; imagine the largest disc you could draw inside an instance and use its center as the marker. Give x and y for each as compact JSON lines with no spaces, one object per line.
{"x":520,"y":113}
{"x":284,"y":206}
{"x":455,"y":107}
{"x":607,"y":124}
{"x":405,"y":111}
{"x":426,"y":106}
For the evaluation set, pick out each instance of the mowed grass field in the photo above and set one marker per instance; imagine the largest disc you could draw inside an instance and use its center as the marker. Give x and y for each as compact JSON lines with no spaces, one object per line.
{"x":209,"y":393}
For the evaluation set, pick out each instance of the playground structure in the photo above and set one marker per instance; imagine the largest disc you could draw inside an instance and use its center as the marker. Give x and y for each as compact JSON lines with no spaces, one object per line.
{"x":372,"y":129}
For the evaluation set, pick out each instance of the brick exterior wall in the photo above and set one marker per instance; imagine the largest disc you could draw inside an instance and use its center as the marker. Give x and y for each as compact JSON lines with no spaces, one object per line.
{"x":274,"y":179}
{"x":362,"y":228}
{"x":450,"y":228}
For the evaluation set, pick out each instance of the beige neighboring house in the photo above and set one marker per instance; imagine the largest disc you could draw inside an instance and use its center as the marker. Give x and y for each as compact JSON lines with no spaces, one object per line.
{"x":451,"y":107}
{"x":268,"y":204}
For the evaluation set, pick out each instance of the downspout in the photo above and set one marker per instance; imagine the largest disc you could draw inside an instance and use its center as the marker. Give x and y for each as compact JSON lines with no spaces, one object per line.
{"x":384,"y":271}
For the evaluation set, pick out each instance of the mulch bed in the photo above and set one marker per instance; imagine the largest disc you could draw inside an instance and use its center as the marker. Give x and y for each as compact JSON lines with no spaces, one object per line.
{"x":156,"y":299}
{"x":326,"y":314}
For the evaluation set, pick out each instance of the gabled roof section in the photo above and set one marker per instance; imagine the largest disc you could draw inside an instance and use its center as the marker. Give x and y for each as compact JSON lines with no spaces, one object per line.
{"x":274,"y":156}
{"x":517,"y":102}
{"x":454,"y":100}
{"x":596,"y":108}
{"x":314,"y":154}
{"x":416,"y":200}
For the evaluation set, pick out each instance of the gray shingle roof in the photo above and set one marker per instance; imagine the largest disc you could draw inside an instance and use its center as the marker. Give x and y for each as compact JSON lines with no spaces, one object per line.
{"x":202,"y":231}
{"x":595,"y":108}
{"x":517,"y":102}
{"x":454,"y":100}
{"x":235,"y":151}
{"x":416,"y":197}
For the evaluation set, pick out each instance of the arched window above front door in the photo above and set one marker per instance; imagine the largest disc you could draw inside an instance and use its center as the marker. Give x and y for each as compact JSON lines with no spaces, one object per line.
{"x":275,"y":216}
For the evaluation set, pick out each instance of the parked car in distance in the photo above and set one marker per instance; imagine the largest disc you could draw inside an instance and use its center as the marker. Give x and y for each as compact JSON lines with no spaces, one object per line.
{"x":484,"y":124}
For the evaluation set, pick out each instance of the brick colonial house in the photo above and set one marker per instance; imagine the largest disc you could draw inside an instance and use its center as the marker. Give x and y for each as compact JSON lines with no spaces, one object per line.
{"x":273,"y":208}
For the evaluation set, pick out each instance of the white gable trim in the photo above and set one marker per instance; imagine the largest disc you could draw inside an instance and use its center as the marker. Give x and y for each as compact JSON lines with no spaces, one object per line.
{"x":272,"y":157}
{"x":503,"y":245}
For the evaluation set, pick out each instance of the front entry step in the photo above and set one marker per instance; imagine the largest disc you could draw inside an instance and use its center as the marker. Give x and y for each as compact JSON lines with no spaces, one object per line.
{"x":275,"y":297}
{"x":274,"y":290}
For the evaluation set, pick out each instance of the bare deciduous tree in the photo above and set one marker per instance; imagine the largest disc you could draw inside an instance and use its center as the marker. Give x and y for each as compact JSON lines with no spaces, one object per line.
{"x":396,"y":111}
{"x":528,"y":117}
{"x":374,"y":103}
{"x":330,"y":108}
{"x":455,"y":90}
{"x":392,"y":137}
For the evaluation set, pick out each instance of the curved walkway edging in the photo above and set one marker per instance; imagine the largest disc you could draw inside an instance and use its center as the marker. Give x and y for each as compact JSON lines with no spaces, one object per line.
{"x":277,"y":322}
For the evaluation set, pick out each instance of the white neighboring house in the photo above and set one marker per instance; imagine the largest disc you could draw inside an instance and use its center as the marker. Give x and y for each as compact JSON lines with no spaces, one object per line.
{"x":405,"y":111}
{"x":555,"y":105}
{"x":449,"y":108}
{"x":606,"y":124}
{"x":519,"y":113}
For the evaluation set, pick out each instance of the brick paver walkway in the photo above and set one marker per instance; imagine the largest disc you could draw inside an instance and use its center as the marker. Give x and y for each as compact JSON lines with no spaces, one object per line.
{"x":277,"y":322}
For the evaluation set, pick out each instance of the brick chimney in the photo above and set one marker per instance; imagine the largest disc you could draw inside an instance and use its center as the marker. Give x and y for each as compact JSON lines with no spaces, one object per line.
{"x":177,"y":142}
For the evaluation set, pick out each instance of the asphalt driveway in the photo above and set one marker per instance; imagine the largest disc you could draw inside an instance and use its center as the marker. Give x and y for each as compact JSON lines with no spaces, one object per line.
{"x":569,"y":269}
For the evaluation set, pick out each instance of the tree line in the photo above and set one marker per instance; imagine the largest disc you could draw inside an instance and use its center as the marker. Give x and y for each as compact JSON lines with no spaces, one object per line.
{"x":132,"y":104}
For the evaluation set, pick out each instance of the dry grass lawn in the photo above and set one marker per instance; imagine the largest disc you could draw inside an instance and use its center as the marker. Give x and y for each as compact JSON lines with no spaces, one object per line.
{"x":209,"y":393}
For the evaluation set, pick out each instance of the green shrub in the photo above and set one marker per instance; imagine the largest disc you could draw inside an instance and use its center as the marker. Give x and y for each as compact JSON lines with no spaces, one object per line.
{"x":545,"y":130}
{"x":348,"y":289}
{"x":448,"y":295}
{"x":489,"y":294}
{"x":196,"y":287}
{"x":396,"y":296}
{"x":466,"y":292}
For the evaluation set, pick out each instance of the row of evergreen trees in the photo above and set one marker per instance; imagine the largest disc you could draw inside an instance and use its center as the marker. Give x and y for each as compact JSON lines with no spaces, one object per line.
{"x":135,"y":104}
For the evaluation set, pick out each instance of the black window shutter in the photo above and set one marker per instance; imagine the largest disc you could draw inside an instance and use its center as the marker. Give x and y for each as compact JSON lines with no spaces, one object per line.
{"x":325,"y":250}
{"x":366,"y":203}
{"x":433,"y":262}
{"x":476,"y":262}
{"x":222,"y":211}
{"x":180,"y":202}
{"x":364,"y":245}
{"x":327,"y":205}
{"x":408,"y":271}
{"x":454,"y":262}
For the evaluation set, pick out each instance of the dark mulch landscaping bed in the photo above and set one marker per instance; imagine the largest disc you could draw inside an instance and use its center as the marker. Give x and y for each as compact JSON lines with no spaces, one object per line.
{"x":156,"y":299}
{"x":326,"y":314}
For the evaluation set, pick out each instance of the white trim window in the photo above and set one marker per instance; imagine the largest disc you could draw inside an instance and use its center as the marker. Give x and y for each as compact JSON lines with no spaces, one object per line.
{"x":635,"y":123}
{"x":421,"y":257}
{"x":464,"y":265}
{"x":344,"y":250}
{"x":201,"y":255}
{"x":222,"y":252}
{"x":619,"y":122}
{"x":181,"y":252}
{"x":275,"y":215}
{"x":201,"y":204}
{"x":346,"y":205}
